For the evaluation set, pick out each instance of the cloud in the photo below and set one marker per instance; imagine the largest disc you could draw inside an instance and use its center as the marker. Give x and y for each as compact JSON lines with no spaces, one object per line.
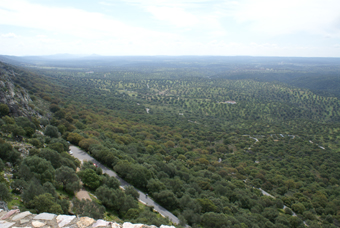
{"x":290,"y":16}
{"x":69,"y":21}
{"x":9,"y":35}
{"x":175,"y":16}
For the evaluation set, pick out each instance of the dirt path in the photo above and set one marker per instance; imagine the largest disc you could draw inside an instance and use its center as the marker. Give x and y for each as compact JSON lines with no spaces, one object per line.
{"x":82,"y":194}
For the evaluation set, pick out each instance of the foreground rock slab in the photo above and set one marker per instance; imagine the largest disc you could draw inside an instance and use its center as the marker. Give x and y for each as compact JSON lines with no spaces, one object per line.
{"x":15,"y":219}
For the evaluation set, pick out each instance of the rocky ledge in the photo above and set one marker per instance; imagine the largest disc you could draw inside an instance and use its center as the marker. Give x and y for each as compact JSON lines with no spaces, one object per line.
{"x":14,"y":218}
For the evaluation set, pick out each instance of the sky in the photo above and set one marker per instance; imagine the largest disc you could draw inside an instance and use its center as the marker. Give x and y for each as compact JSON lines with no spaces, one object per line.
{"x":307,"y":28}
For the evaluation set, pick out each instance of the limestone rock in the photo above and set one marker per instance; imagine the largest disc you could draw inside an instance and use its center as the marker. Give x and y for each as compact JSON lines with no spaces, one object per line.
{"x":21,"y":215}
{"x":14,"y":96}
{"x":38,"y":224}
{"x":24,"y":221}
{"x":100,"y":223}
{"x":116,"y":225}
{"x":10,"y":213}
{"x":64,"y":220}
{"x":130,"y":225}
{"x":45,"y":216}
{"x":85,"y":222}
{"x":5,"y":224}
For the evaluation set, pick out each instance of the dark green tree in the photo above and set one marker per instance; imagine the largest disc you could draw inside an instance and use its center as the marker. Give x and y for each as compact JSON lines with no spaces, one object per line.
{"x":90,"y":178}
{"x":4,"y":110}
{"x":167,"y":199}
{"x":4,"y":192}
{"x":46,"y":203}
{"x":51,"y":131}
{"x":68,"y":178}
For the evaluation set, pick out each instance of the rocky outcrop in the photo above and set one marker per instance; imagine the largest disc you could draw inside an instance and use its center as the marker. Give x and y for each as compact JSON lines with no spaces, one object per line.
{"x":14,"y":218}
{"x":14,"y":96}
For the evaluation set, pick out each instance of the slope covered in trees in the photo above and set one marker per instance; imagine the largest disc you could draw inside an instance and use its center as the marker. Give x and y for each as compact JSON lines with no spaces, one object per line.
{"x":196,"y":155}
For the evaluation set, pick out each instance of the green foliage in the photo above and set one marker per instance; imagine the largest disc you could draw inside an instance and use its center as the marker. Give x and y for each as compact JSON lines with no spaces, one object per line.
{"x":74,"y":138}
{"x":51,"y":131}
{"x":131,"y":191}
{"x":136,"y":174}
{"x":166,"y":198}
{"x":46,"y":203}
{"x":4,"y":110}
{"x":18,"y":186}
{"x":29,"y":131}
{"x":86,"y":143}
{"x":214,"y":220}
{"x":111,"y":182}
{"x":24,"y":122}
{"x":8,"y":120}
{"x":2,"y":165}
{"x":36,"y":142}
{"x":14,"y":129}
{"x":203,"y":163}
{"x":68,"y":178}
{"x":7,"y":153}
{"x":41,"y":168}
{"x":88,"y":208}
{"x":4,"y":192}
{"x":57,"y":147}
{"x":90,"y":178}
{"x":111,"y":198}
{"x":54,"y":108}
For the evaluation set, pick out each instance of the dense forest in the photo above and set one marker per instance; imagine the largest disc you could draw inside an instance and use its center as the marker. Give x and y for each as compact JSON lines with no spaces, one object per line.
{"x":203,"y":136}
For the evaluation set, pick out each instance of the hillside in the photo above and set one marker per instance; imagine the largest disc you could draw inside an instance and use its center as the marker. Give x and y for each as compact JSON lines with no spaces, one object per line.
{"x":201,"y":158}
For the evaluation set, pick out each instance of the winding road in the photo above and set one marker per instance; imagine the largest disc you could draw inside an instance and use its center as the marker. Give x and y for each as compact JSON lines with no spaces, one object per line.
{"x":83,"y":156}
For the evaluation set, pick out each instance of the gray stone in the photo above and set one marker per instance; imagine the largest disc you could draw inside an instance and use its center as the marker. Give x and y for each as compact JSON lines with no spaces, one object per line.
{"x":45,"y":216}
{"x":21,"y":215}
{"x":21,"y":227}
{"x":24,"y":221}
{"x":64,"y":220}
{"x":5,"y":224}
{"x":100,"y":223}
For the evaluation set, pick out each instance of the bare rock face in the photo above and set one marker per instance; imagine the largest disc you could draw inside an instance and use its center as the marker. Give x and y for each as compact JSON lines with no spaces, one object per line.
{"x":14,"y":96}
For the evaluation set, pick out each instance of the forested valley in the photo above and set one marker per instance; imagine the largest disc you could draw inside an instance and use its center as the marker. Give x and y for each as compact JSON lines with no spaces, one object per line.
{"x":203,"y":136}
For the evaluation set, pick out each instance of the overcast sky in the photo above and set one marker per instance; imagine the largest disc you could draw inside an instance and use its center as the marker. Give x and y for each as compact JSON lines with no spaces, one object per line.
{"x":171,"y":27}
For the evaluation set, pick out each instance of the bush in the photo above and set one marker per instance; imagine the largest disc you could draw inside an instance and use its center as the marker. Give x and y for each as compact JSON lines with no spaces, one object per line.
{"x":74,"y":138}
{"x":86,"y":143}
{"x":51,"y":131}
{"x":4,"y":110}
